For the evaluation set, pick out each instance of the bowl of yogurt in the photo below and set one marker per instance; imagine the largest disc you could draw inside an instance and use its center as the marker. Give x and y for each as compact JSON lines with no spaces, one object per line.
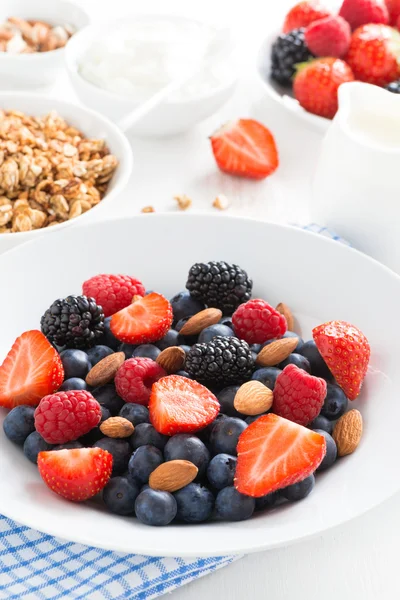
{"x":118,"y":66}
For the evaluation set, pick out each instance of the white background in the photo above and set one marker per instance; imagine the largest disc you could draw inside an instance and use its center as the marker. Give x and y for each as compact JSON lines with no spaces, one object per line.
{"x":356,"y":561}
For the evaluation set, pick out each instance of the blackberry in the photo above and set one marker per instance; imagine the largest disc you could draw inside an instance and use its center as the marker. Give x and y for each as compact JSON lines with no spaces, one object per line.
{"x":74,"y":322}
{"x":220,"y":285}
{"x":223,"y":361}
{"x":393,"y":86}
{"x":288,"y":50}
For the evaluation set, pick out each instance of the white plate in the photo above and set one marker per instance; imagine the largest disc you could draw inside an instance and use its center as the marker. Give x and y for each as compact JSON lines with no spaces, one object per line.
{"x":319,"y":278}
{"x":283,"y":95}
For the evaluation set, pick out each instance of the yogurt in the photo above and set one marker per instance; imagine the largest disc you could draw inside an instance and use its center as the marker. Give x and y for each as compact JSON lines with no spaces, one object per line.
{"x":139,"y":58}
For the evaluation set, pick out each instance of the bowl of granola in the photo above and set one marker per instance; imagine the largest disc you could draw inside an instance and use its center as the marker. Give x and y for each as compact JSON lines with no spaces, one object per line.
{"x":32,"y":40}
{"x":59,"y":163}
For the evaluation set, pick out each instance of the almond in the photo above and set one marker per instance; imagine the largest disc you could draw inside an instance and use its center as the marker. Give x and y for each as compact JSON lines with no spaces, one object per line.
{"x":171,"y":359}
{"x":203,"y":319}
{"x":117,"y":427}
{"x":287,"y":313}
{"x":276,"y":352}
{"x":173,"y":475}
{"x":105,"y":370}
{"x":348,"y":432}
{"x":253,"y":398}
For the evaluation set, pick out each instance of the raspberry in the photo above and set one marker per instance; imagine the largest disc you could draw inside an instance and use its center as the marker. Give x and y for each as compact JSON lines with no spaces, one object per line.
{"x":65,"y":416}
{"x":363,"y":12}
{"x":328,"y":37}
{"x":298,"y":396}
{"x":256,"y":322}
{"x":135,"y":377}
{"x":113,"y":292}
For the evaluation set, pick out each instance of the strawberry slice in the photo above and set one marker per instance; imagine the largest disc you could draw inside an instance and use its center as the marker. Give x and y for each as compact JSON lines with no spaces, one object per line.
{"x":274,"y":453}
{"x":76,"y":474}
{"x":180,"y":405}
{"x":346,"y":351}
{"x":144,"y":321}
{"x":245,"y":148}
{"x":31,"y":370}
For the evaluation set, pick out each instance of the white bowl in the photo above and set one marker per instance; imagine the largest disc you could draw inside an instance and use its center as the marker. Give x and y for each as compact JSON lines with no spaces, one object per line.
{"x":169,"y":117}
{"x":283,"y":95}
{"x":23,"y":71}
{"x":92,"y":125}
{"x":319,"y":278}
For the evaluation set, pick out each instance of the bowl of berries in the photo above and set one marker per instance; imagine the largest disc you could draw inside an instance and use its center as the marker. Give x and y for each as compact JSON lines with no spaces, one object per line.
{"x":210,"y":401}
{"x":316,"y":50}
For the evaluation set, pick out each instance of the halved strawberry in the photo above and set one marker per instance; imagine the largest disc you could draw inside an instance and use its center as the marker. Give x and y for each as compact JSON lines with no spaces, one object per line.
{"x":346,"y":351}
{"x":245,"y":148}
{"x":144,"y":321}
{"x":274,"y":453}
{"x":31,"y":370}
{"x":180,"y":405}
{"x":76,"y":474}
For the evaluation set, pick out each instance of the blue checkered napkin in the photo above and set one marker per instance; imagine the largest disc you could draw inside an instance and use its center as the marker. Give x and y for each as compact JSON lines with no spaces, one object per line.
{"x":36,"y":566}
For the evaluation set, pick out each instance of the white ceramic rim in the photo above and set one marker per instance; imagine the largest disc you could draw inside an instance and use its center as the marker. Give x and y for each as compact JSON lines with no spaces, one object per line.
{"x":90,"y":30}
{"x":126,"y":149}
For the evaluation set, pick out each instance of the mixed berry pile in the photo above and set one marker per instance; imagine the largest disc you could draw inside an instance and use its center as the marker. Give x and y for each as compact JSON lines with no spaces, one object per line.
{"x":207,"y":406}
{"x":318,"y":50}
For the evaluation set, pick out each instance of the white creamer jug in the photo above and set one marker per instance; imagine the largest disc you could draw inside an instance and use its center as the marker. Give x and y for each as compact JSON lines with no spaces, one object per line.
{"x":356,"y":187}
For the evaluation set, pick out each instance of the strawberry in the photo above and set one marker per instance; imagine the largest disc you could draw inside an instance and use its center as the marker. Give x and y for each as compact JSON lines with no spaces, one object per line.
{"x":181,"y":405}
{"x":304,"y":13}
{"x":372,"y":54}
{"x":245,"y":148}
{"x":328,"y":37}
{"x":346,"y":351}
{"x":144,"y":321}
{"x":361,"y":12}
{"x":393,"y":7}
{"x":274,"y":453}
{"x":32,"y":369}
{"x":76,"y":474}
{"x":316,"y":85}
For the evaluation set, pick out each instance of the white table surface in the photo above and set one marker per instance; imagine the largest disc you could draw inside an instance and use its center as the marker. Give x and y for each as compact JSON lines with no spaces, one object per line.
{"x":358,"y":560}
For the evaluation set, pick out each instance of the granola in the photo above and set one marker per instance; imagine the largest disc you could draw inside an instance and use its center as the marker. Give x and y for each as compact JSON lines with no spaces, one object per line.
{"x":49,"y":171}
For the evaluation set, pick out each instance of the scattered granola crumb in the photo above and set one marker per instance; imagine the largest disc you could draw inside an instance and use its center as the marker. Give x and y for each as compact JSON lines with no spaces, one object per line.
{"x":184,"y":202}
{"x":148,"y":209}
{"x":221,"y":202}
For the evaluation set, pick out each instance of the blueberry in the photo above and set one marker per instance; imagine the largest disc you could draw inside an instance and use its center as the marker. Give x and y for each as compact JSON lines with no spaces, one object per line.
{"x":105,"y":413}
{"x":323,"y":423}
{"x":292,"y":334}
{"x":147,"y":351}
{"x":300,"y":490}
{"x":195,"y":503}
{"x":212,"y":331}
{"x":120,"y":450}
{"x":143,"y":462}
{"x":97,"y":353}
{"x":109,"y":338}
{"x":184,"y":305}
{"x":135,"y":413}
{"x":204,"y":434}
{"x":319,"y":367}
{"x":250,"y":420}
{"x":184,"y":374}
{"x":107,"y":396}
{"x":146,"y":434}
{"x":231,"y":505}
{"x":68,"y":446}
{"x":185,"y":347}
{"x":76,"y":363}
{"x":34,"y":444}
{"x":221,"y":470}
{"x":184,"y":446}
{"x":127,"y":349}
{"x":74,"y":383}
{"x":296,"y":359}
{"x":169,"y":339}
{"x":225,"y":434}
{"x":331,"y":450}
{"x":269,"y":501}
{"x":267,"y":376}
{"x":93,"y":436}
{"x":19,"y":423}
{"x":227,"y":321}
{"x":187,"y":340}
{"x":255,"y":348}
{"x":226,"y":397}
{"x":335,"y":403}
{"x":155,"y":508}
{"x":120,"y":494}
